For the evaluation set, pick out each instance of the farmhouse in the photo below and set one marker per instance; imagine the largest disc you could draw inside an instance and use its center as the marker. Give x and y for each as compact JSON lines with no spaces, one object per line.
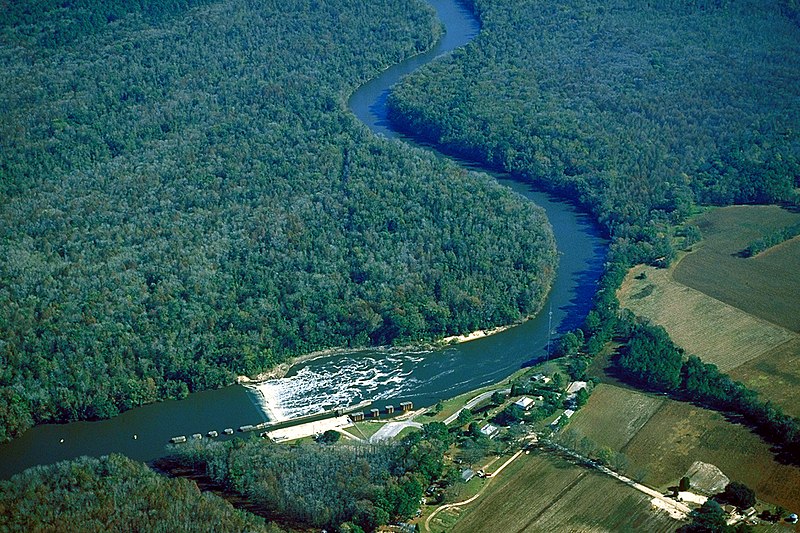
{"x":524,"y":403}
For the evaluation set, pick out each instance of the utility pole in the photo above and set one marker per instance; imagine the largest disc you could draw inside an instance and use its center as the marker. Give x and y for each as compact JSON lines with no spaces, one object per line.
{"x":549,"y":329}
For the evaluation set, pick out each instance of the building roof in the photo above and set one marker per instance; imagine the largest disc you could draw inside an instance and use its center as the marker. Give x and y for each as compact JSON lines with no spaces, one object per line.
{"x":467,"y":474}
{"x":575,"y":386}
{"x":524,"y":402}
{"x":568,"y":413}
{"x":489,"y":430}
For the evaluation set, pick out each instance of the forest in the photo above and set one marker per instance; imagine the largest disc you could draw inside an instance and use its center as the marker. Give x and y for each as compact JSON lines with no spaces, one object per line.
{"x":114,"y":493}
{"x":184,"y":198}
{"x":637,"y":111}
{"x":326,"y":486}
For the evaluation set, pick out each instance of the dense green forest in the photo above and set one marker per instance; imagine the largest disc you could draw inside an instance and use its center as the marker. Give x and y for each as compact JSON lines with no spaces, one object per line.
{"x":326,"y":486}
{"x":634,"y":109}
{"x":184,"y":198}
{"x":113,"y":493}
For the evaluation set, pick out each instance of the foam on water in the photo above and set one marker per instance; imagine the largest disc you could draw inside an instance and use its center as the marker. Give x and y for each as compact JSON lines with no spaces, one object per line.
{"x":338,"y":382}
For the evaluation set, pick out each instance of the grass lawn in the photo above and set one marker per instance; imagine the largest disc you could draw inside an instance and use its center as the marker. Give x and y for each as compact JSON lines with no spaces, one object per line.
{"x":365,"y":429}
{"x":766,"y":286}
{"x":544,"y":492}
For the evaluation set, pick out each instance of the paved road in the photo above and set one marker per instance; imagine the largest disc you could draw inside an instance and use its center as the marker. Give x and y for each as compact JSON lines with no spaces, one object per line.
{"x":472,"y":403}
{"x":391,"y":429}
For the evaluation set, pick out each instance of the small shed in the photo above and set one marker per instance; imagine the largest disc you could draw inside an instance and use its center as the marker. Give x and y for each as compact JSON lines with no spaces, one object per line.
{"x":568,"y":413}
{"x":524,"y":403}
{"x":490,"y":430}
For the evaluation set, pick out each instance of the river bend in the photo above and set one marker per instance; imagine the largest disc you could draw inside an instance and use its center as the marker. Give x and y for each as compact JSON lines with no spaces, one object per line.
{"x":385,"y":376}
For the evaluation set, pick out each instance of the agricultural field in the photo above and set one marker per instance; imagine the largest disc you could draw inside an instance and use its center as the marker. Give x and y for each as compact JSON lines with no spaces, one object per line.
{"x":544,"y":492}
{"x":678,"y":434}
{"x":767,"y":285}
{"x":742,"y":314}
{"x":775,"y":375}
{"x":702,"y":325}
{"x":615,"y":427}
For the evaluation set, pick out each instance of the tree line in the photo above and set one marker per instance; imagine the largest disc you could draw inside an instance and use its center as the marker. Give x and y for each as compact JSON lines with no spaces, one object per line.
{"x":114,"y":493}
{"x":651,"y":360}
{"x":773,"y":239}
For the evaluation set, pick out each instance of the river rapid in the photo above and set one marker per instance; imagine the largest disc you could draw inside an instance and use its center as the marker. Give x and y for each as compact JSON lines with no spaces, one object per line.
{"x":384,"y":376}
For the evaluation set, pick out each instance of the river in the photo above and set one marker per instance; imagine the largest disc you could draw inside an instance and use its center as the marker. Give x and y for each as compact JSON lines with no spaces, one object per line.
{"x":385,"y":376}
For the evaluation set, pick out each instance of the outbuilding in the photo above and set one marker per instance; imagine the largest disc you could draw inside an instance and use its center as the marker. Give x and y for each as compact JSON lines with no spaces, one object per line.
{"x":490,"y":430}
{"x":525,"y":403}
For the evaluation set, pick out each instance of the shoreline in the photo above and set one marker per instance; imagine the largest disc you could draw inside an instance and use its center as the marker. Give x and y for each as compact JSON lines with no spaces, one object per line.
{"x":280,"y":370}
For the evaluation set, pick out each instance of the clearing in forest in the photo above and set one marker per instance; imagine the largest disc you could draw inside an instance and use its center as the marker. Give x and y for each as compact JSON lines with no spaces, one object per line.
{"x":545,"y":492}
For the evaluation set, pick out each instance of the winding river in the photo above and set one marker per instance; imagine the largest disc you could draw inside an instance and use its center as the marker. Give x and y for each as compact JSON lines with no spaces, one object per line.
{"x":385,"y":376}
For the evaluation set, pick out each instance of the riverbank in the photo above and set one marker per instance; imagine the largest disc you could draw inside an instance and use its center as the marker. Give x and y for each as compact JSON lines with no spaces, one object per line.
{"x":279,"y":371}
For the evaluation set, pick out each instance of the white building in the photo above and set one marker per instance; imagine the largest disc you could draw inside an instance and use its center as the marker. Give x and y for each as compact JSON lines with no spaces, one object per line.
{"x":524,"y":403}
{"x":489,"y":430}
